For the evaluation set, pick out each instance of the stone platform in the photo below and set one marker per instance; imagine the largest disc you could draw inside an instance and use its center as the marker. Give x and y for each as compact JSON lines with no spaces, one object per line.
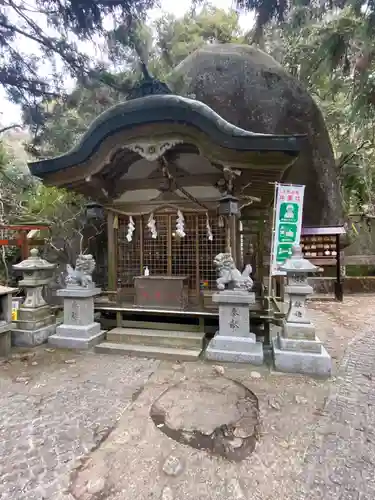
{"x":235,"y":350}
{"x":316,"y":363}
{"x":69,"y":338}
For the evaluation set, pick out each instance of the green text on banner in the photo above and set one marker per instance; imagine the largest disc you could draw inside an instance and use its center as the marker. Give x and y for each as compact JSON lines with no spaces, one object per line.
{"x":288,"y":223}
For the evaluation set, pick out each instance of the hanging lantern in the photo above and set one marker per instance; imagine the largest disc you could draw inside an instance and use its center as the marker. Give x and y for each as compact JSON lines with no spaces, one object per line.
{"x":229,"y":205}
{"x":94,"y":211}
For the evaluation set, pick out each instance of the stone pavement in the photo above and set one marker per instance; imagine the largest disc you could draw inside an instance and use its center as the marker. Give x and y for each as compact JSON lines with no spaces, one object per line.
{"x":340,"y":463}
{"x":58,"y":411}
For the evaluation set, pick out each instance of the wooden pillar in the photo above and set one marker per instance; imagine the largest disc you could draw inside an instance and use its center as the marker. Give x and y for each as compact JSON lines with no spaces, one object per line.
{"x":169,"y":245}
{"x":141,"y":245}
{"x":239,"y":240}
{"x":339,"y":293}
{"x":233,"y":238}
{"x":112,"y":257}
{"x":260,"y":252}
{"x":24,"y":245}
{"x":197,"y":260}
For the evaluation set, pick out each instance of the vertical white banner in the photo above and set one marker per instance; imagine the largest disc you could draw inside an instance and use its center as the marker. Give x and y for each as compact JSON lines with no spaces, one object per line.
{"x":288,"y":223}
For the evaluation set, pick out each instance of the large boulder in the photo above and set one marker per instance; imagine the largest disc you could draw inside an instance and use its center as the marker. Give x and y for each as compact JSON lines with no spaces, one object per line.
{"x":250,"y":89}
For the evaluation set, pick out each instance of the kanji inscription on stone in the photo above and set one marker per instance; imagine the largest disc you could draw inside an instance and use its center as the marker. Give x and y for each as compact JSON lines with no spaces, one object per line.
{"x":233,"y":324}
{"x":235,"y":312}
{"x":75,"y":311}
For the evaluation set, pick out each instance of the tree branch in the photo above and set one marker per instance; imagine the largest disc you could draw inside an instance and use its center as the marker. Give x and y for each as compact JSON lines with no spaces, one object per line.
{"x":9,"y":127}
{"x":346,"y":158}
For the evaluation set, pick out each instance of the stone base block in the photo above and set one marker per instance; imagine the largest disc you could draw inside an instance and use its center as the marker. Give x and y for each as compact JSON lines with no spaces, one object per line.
{"x":5,"y":326}
{"x":232,"y":343}
{"x":5,"y":343}
{"x":239,"y":297}
{"x":300,"y":345}
{"x":308,"y":363}
{"x":235,"y":350}
{"x":35,"y":325}
{"x":78,"y":331}
{"x":79,"y":292}
{"x":71,"y":342}
{"x":33,"y":313}
{"x":29,"y":338}
{"x":299,"y":331}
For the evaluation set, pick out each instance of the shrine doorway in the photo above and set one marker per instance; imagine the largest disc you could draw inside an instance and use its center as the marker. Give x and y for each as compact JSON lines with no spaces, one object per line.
{"x":167,"y":254}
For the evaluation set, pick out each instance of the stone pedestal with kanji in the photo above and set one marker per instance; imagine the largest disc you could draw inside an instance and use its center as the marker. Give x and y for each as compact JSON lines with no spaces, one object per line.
{"x":79,"y":330}
{"x":297,"y":349}
{"x":5,"y":319}
{"x":234,"y":341}
{"x":35,"y":321}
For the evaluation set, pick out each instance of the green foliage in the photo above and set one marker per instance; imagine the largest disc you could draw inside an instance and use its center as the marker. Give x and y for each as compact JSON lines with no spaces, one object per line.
{"x":58,"y":124}
{"x":64,"y":212}
{"x":69,"y":21}
{"x":23,"y":199}
{"x":53,"y":205}
{"x":329,"y":51}
{"x":14,"y":182}
{"x":177,"y":38}
{"x":64,"y":121}
{"x":4,"y":157}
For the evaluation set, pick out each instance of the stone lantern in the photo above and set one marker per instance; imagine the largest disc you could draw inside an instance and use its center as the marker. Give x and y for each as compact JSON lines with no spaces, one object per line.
{"x":229,"y":205}
{"x":297,"y":269}
{"x":94,"y":211}
{"x":35,"y":322}
{"x":297,"y":349}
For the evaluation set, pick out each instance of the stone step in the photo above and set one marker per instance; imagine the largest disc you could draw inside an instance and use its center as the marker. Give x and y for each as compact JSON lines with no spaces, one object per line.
{"x":145,"y":351}
{"x":157,"y":325}
{"x":183,"y":340}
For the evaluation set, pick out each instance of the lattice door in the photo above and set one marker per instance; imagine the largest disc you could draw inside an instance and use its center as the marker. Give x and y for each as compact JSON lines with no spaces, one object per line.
{"x":209,"y":249}
{"x":184,"y":251}
{"x":168,"y":254}
{"x":155,"y":252}
{"x":128,"y":254}
{"x":193,"y":255}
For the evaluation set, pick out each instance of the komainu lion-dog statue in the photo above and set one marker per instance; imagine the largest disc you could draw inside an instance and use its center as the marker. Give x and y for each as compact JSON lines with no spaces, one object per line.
{"x":229,"y":276}
{"x":82,"y":274}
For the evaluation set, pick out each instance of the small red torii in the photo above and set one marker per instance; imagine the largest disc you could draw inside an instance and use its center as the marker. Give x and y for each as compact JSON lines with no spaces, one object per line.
{"x":20,"y":239}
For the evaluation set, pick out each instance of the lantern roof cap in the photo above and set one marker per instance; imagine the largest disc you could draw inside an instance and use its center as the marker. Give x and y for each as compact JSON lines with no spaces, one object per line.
{"x":34,"y":263}
{"x":4,"y":290}
{"x":228,"y":197}
{"x":297,"y":262}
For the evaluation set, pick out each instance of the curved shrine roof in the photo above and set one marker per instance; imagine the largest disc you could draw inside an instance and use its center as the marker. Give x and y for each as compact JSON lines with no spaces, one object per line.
{"x":158,"y":110}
